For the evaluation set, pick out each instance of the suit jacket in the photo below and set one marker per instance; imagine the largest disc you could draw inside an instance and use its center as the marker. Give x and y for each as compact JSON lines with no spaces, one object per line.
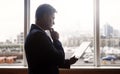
{"x":43,"y":55}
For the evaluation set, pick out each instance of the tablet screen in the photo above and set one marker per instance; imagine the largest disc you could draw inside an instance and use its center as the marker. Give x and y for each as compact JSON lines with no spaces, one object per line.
{"x":81,"y":49}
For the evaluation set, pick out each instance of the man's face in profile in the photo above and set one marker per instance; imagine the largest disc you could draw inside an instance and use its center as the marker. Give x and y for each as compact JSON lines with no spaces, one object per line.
{"x":49,"y":21}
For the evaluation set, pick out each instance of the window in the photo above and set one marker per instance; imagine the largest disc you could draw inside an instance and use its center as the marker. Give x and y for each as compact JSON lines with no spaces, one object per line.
{"x":74,"y":23}
{"x":11,"y":32}
{"x":110,"y":32}
{"x":90,"y":27}
{"x":78,"y":21}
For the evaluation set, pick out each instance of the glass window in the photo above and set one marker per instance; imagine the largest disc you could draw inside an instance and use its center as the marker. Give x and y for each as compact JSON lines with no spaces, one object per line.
{"x":110,"y":32}
{"x":74,"y":22}
{"x":11,"y":32}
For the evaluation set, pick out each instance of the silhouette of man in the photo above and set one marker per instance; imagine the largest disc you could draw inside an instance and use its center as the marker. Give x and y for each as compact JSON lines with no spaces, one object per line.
{"x":44,"y":54}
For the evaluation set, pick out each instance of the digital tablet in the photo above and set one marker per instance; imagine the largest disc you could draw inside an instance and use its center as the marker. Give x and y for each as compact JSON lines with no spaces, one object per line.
{"x":81,"y":49}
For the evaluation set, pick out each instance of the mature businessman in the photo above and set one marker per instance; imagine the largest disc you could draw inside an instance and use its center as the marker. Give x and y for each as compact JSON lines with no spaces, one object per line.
{"x":45,"y":53}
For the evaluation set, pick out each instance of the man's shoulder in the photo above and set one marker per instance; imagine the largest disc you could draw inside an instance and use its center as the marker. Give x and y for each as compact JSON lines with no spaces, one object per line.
{"x":35,"y":29}
{"x":36,"y":32}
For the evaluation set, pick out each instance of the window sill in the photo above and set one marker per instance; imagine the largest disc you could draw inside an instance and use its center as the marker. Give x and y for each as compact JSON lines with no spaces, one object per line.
{"x":72,"y":67}
{"x":93,"y":67}
{"x":13,"y":67}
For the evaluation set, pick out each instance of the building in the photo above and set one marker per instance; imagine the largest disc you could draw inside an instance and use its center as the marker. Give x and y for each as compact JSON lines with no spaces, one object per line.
{"x":20,"y":38}
{"x":108,"y":30}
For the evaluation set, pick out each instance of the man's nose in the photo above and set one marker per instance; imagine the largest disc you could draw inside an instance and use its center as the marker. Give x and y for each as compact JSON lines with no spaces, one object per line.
{"x":53,"y":22}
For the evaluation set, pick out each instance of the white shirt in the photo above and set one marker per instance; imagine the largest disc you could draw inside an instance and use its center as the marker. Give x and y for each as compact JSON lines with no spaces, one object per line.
{"x":48,"y":33}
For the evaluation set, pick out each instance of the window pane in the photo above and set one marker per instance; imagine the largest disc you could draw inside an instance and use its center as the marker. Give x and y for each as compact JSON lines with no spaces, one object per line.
{"x":74,"y":22}
{"x":110,"y":32}
{"x":11,"y":32}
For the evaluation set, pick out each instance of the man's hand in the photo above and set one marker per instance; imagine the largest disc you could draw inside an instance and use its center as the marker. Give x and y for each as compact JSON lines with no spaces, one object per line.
{"x":54,"y":34}
{"x":73,"y":60}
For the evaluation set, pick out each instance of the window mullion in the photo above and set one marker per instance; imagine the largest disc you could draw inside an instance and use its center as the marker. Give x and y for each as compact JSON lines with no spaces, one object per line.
{"x":26,"y":23}
{"x":96,"y":34}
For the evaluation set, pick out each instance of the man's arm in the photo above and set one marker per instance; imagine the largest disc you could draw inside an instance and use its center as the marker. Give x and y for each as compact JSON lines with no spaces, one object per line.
{"x":67,"y":62}
{"x":45,"y":49}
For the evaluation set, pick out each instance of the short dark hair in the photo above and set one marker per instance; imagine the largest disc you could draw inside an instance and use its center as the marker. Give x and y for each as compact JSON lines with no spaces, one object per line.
{"x":44,"y":9}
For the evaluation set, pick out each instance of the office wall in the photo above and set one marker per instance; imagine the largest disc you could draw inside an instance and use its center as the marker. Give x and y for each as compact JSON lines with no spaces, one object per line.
{"x":72,"y":71}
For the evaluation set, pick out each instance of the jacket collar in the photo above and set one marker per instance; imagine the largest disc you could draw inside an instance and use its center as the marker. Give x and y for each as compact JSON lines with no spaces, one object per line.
{"x":34,"y":26}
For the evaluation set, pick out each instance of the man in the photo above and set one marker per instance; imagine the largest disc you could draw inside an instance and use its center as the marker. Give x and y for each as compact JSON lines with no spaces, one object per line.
{"x":44,"y":54}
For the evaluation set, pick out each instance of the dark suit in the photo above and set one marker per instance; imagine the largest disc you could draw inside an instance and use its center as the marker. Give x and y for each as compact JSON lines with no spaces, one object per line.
{"x":43,"y":55}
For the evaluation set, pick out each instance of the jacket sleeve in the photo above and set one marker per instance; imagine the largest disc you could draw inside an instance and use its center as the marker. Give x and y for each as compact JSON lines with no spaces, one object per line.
{"x":41,"y":46}
{"x":66,"y":63}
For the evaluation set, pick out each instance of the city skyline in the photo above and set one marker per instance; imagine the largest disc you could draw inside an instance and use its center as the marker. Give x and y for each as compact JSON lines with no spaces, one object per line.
{"x":106,"y":31}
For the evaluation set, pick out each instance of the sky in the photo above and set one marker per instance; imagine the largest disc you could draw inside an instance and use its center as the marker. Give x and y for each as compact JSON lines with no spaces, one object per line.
{"x":72,"y":16}
{"x":110,"y":13}
{"x":11,"y":18}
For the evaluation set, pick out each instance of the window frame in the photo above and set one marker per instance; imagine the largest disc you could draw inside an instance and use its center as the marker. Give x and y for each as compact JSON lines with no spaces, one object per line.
{"x":26,"y":24}
{"x":96,"y":34}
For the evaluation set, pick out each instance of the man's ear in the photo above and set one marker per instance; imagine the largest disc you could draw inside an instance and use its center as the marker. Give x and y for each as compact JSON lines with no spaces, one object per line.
{"x":45,"y":16}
